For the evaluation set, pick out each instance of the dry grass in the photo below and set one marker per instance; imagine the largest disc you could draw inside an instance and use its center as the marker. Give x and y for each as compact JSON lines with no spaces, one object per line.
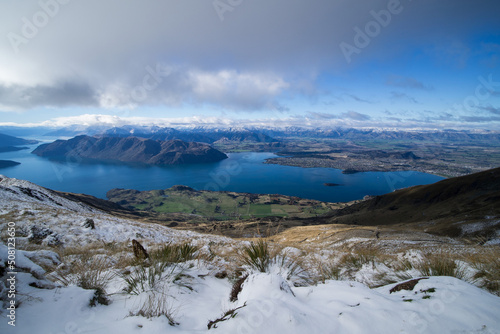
{"x":175,"y":253}
{"x":94,"y":248}
{"x":404,"y":264}
{"x":329,"y":271}
{"x":311,"y":234}
{"x":361,"y":254}
{"x":164,"y":267}
{"x":257,"y":256}
{"x":89,"y":266}
{"x":380,"y":266}
{"x":88,"y":272}
{"x":153,"y":278}
{"x":143,"y":279}
{"x":92,"y":266}
{"x":265,"y":257}
{"x":487,"y":265}
{"x":156,"y":305}
{"x":440,"y":264}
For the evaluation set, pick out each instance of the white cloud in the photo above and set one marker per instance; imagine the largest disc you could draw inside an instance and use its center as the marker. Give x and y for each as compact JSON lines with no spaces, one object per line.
{"x":86,"y":120}
{"x":229,"y":88}
{"x":314,"y":120}
{"x":174,"y":86}
{"x":225,"y":88}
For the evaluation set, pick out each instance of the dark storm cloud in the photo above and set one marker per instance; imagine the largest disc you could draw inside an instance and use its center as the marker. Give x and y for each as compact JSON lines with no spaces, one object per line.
{"x":257,"y":44}
{"x":59,"y":94}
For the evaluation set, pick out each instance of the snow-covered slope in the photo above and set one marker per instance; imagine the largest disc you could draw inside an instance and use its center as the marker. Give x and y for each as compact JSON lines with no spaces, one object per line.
{"x":268,"y":305}
{"x":39,"y":210}
{"x":196,"y":295}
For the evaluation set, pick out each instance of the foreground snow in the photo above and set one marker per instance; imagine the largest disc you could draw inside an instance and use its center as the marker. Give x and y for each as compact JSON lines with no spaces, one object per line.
{"x":437,"y":305}
{"x":267,"y":303}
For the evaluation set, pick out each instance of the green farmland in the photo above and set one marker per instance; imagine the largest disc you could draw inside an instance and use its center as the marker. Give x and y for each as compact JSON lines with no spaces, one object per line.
{"x":218,"y":205}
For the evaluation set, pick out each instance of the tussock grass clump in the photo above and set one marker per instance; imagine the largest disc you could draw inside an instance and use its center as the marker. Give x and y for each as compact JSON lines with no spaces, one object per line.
{"x":329,"y":271}
{"x":291,"y":269}
{"x":94,"y":275}
{"x":487,"y":266}
{"x":479,"y":265}
{"x":174,"y":253}
{"x":352,"y":260}
{"x":360,"y":255}
{"x":440,"y":264}
{"x":257,"y":256}
{"x":153,"y":277}
{"x":142,"y":279}
{"x":402,"y":265}
{"x":163,"y":267}
{"x":187,"y":252}
{"x":87,"y":272}
{"x":349,"y":261}
{"x":260,"y":257}
{"x":156,"y":305}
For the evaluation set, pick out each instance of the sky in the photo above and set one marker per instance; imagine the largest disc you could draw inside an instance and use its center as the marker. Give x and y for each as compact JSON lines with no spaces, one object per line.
{"x":399,"y":64}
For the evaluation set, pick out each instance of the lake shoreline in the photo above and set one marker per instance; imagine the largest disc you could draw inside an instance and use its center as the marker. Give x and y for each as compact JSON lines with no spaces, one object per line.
{"x":244,"y":172}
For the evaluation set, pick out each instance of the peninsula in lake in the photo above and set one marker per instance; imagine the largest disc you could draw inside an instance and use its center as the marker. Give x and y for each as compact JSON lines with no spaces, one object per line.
{"x":8,"y":163}
{"x":130,"y":150}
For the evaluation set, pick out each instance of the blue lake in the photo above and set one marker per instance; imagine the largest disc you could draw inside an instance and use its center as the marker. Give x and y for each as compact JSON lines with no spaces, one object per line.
{"x":242,"y":172}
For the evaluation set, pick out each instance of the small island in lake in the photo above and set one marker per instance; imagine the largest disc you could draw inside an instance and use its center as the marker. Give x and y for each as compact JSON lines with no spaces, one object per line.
{"x":350,"y":171}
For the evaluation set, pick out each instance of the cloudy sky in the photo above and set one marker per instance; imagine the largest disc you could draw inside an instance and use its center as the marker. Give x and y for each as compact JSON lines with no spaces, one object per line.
{"x":359,"y":63}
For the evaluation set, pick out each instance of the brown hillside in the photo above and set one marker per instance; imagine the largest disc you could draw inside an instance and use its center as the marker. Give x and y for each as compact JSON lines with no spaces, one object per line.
{"x":441,"y":206}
